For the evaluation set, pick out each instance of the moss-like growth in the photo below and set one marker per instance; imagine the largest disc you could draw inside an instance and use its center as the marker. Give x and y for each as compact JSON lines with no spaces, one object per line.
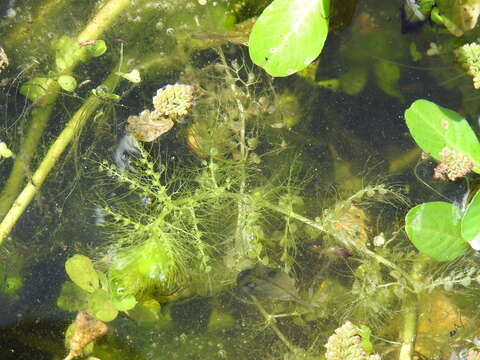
{"x":468,"y":57}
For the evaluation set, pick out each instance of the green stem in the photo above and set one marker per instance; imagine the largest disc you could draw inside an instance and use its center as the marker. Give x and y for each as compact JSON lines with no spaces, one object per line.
{"x":409,"y":328}
{"x":56,"y":149}
{"x":271,"y":322}
{"x":410,"y":309}
{"x":43,"y":110}
{"x":351,"y":244}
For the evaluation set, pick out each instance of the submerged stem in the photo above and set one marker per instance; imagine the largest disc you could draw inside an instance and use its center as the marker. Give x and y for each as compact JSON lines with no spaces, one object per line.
{"x":271,"y":322}
{"x":352,"y":243}
{"x":42,"y":112}
{"x":52,"y":156}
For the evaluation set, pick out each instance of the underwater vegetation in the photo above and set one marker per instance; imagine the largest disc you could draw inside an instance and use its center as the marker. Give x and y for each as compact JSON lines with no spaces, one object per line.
{"x":182,"y":196}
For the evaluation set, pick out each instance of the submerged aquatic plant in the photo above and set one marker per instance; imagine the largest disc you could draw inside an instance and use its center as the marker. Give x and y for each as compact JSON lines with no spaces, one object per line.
{"x":171,"y":103}
{"x":468,"y":57}
{"x":86,"y":329}
{"x":346,"y":344}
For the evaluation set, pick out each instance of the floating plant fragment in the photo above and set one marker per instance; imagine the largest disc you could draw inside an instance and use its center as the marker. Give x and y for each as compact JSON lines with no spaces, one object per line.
{"x":133,"y":76}
{"x":453,"y":165}
{"x":86,"y":330}
{"x":145,"y":127}
{"x":5,"y":152}
{"x":171,"y":103}
{"x":468,"y":57}
{"x":3,"y":59}
{"x":346,"y":344}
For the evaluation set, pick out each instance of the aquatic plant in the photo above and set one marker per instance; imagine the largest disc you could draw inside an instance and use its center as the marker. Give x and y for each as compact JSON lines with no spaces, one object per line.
{"x":171,"y":104}
{"x":346,"y":344}
{"x":3,"y":59}
{"x":446,"y":136}
{"x":468,"y":57}
{"x":83,"y":331}
{"x":440,"y":229}
{"x":289,"y":35}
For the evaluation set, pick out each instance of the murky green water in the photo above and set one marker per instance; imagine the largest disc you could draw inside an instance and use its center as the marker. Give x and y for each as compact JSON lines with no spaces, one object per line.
{"x":263,"y":220}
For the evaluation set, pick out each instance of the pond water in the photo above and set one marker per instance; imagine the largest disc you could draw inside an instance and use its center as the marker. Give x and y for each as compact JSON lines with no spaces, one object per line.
{"x":253,"y":216}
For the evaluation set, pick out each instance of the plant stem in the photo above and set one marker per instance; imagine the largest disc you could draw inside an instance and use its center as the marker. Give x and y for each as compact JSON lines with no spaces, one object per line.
{"x":241,"y":204}
{"x":271,"y":322}
{"x":43,"y":110}
{"x":409,"y":328}
{"x":56,"y":149}
{"x":410,"y":309}
{"x":352,"y":243}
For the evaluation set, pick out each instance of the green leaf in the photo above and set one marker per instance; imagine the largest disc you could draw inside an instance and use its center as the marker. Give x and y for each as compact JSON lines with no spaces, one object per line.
{"x":72,"y":297}
{"x":365,"y":333}
{"x":289,"y":35}
{"x":124,"y":303}
{"x":80,"y":270}
{"x":133,"y":76}
{"x":35,"y":88}
{"x":5,"y":151}
{"x":67,"y":82}
{"x":103,"y":93}
{"x":434,"y":127}
{"x":434,"y":229}
{"x":470,"y":226}
{"x":98,"y":48}
{"x":100,"y":305}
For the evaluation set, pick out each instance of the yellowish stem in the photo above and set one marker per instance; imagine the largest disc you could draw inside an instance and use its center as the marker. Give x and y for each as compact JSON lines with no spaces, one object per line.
{"x":40,"y":115}
{"x":56,"y":149}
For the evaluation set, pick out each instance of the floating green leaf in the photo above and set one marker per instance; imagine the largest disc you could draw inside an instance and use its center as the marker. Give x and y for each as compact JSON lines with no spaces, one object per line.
{"x":289,"y":35}
{"x":100,"y":305}
{"x":435,"y":128}
{"x":67,"y":82}
{"x":434,"y":229}
{"x":471,"y":223}
{"x":80,"y":270}
{"x":35,"y":88}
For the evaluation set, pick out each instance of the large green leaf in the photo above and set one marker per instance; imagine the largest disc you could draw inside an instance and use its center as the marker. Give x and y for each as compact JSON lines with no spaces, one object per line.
{"x":289,"y":35}
{"x":80,"y":270}
{"x":471,"y":223}
{"x":434,"y":127}
{"x":434,"y":229}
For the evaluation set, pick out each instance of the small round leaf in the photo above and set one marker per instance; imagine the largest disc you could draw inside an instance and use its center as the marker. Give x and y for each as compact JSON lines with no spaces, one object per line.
{"x":98,"y":48}
{"x":67,"y":82}
{"x":80,"y":270}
